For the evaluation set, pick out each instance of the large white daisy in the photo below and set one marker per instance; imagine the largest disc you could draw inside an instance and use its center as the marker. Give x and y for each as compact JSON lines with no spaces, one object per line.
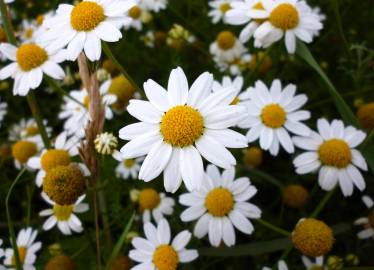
{"x":179,"y":126}
{"x":220,"y":205}
{"x":332,"y":153}
{"x":366,"y":222}
{"x":156,"y":252}
{"x":273,"y":113}
{"x":218,"y":9}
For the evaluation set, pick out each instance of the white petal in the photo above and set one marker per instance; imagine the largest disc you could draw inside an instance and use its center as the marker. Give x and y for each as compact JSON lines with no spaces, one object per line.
{"x":191,"y":166}
{"x":157,"y":95}
{"x":144,"y":111}
{"x":177,"y":87}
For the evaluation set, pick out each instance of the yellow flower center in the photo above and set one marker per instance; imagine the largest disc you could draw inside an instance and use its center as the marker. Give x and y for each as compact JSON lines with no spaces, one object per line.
{"x":219,"y":202}
{"x":30,"y":56}
{"x":165,"y":258}
{"x":129,"y":163}
{"x":224,"y":7}
{"x":86,"y":16}
{"x":284,"y":16}
{"x":336,"y":153}
{"x":39,"y":20}
{"x":23,"y":150}
{"x":22,"y":251}
{"x":226,"y":40}
{"x":253,"y":157}
{"x":2,"y":35}
{"x":371,"y":218}
{"x":135,"y":12}
{"x":123,"y":90}
{"x":53,"y":158}
{"x":86,"y":102}
{"x":32,"y":130}
{"x":273,"y":116}
{"x":62,"y":212}
{"x":259,"y":6}
{"x":295,"y":196}
{"x":235,"y":101}
{"x":148,"y":199}
{"x":60,"y":262}
{"x":29,"y":32}
{"x":366,"y":116}
{"x":181,"y":126}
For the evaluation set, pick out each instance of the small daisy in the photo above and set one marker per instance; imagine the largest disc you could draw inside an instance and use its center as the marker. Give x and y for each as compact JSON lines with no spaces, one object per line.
{"x":30,"y":61}
{"x":22,"y":151}
{"x":317,"y":265}
{"x":289,"y":18}
{"x":221,"y":205}
{"x":219,"y":9}
{"x":273,"y":113}
{"x":332,"y":153}
{"x":64,"y":215}
{"x":136,"y":17}
{"x":154,"y":5}
{"x":367,"y":222}
{"x":127,"y":167}
{"x":227,"y":47}
{"x":3,"y":111}
{"x":156,"y":252}
{"x":281,"y":266}
{"x":179,"y":126}
{"x":83,"y":26}
{"x":236,"y":66}
{"x":28,"y":31}
{"x":149,"y":39}
{"x":26,"y":249}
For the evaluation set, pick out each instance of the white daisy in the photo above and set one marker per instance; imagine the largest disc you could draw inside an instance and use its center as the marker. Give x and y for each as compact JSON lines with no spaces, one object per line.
{"x":179,"y":126}
{"x":8,"y":1}
{"x":84,"y":25}
{"x":227,"y":47}
{"x":332,"y":153}
{"x":290,"y":18}
{"x":3,"y":111}
{"x":127,"y":168}
{"x":156,"y":252}
{"x":154,"y":5}
{"x":366,"y":222}
{"x":236,"y":66}
{"x":28,"y":31}
{"x":149,"y":39}
{"x":218,"y":9}
{"x":2,"y":267}
{"x":318,"y":264}
{"x":26,"y":249}
{"x":136,"y":16}
{"x":273,"y":113}
{"x":220,"y":205}
{"x":281,"y":266}
{"x":30,"y":61}
{"x":64,"y":215}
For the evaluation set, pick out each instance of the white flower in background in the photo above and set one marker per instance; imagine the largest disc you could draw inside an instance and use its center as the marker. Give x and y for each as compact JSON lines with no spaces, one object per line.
{"x":179,"y":126}
{"x":366,"y":222}
{"x":291,"y":19}
{"x":61,"y":154}
{"x":28,"y":31}
{"x":2,"y":267}
{"x":30,"y":61}
{"x":281,"y":266}
{"x":26,"y":249}
{"x":127,"y":167}
{"x":8,"y":1}
{"x":83,"y":26}
{"x":149,"y":39}
{"x":220,"y":205}
{"x":236,"y":66}
{"x":136,"y":16}
{"x":273,"y":113}
{"x":154,"y":5}
{"x":218,"y":9}
{"x":227,"y":47}
{"x":3,"y":111}
{"x":156,"y":252}
{"x":318,"y":264}
{"x":64,"y":215}
{"x":332,"y":153}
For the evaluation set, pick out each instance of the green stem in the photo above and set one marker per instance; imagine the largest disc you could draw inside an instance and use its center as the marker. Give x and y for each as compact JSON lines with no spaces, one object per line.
{"x":30,"y":191}
{"x":7,"y":23}
{"x":266,"y":177}
{"x":335,"y":4}
{"x":9,"y":219}
{"x":60,"y":90}
{"x":273,"y":227}
{"x":322,"y":203}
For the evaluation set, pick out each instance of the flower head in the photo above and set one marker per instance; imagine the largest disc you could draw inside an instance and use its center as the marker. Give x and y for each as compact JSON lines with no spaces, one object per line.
{"x":368,"y":221}
{"x":365,"y":115}
{"x":106,"y":143}
{"x":60,"y":262}
{"x":295,"y":196}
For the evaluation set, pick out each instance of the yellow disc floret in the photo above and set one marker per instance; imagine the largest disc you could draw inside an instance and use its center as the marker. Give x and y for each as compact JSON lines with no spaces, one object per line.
{"x":60,"y":262}
{"x":135,"y":12}
{"x":23,"y":150}
{"x":259,"y":6}
{"x":224,"y":7}
{"x":253,"y":157}
{"x":148,"y":199}
{"x":30,"y":56}
{"x":285,"y":16}
{"x":53,"y":158}
{"x":62,"y":212}
{"x":39,"y":20}
{"x":336,"y":153}
{"x":165,"y":258}
{"x":121,"y":263}
{"x":123,"y":90}
{"x":295,"y":196}
{"x":366,"y":116}
{"x":219,"y":202}
{"x":86,"y":16}
{"x":22,"y":252}
{"x":181,"y":126}
{"x":273,"y":116}
{"x":32,"y":130}
{"x":129,"y":163}
{"x":312,"y":237}
{"x":226,"y":40}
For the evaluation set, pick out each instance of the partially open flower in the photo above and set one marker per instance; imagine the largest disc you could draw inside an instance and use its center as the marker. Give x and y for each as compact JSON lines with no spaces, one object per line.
{"x":365,"y":115}
{"x":60,"y":262}
{"x":295,"y":196}
{"x":106,"y":143}
{"x":23,"y":150}
{"x":253,"y":157}
{"x":121,"y":263}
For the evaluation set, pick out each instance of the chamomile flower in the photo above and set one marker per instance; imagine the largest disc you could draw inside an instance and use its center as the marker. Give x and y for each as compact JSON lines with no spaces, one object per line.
{"x":127,"y":168}
{"x":236,"y":66}
{"x":30,"y":61}
{"x":64,"y":215}
{"x":179,"y":126}
{"x":136,"y":17}
{"x":22,"y":151}
{"x":83,"y":26}
{"x":273,"y":113}
{"x":291,"y":19}
{"x":332,"y":153}
{"x":28,"y":31}
{"x":281,"y":266}
{"x":226,"y":46}
{"x":220,"y":205}
{"x":156,"y":252}
{"x":149,"y":39}
{"x":61,"y":154}
{"x":154,"y":5}
{"x":218,"y":9}
{"x":105,"y":143}
{"x":3,"y":111}
{"x":26,"y":249}
{"x":366,"y":222}
{"x":318,"y":264}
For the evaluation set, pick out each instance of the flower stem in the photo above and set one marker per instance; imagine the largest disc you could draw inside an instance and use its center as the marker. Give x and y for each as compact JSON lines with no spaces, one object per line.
{"x":335,"y":4}
{"x":7,"y":23}
{"x":60,"y":90}
{"x":322,"y":203}
{"x":273,"y":227}
{"x":267,"y":177}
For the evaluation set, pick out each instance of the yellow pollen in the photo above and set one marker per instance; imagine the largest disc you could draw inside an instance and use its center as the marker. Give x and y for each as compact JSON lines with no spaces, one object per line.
{"x":224,"y":7}
{"x":62,"y":212}
{"x":165,"y":258}
{"x":259,"y":6}
{"x":86,"y":102}
{"x":336,"y":153}
{"x":2,"y":35}
{"x":284,"y":16}
{"x":29,"y":32}
{"x":135,"y":12}
{"x":219,"y":202}
{"x":123,"y":90}
{"x":371,"y":218}
{"x":148,"y":199}
{"x":365,"y":115}
{"x":273,"y":116}
{"x":30,"y":56}
{"x":53,"y":158}
{"x":235,"y":101}
{"x":129,"y":163}
{"x":22,"y":252}
{"x":86,"y":16}
{"x":32,"y":130}
{"x":39,"y":20}
{"x":295,"y":196}
{"x":23,"y":150}
{"x":226,"y":40}
{"x":181,"y":126}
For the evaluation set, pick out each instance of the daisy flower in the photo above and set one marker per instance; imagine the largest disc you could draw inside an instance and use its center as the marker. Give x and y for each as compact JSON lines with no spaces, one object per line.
{"x":149,"y":39}
{"x":367,"y":222}
{"x":226,"y":46}
{"x":218,"y":9}
{"x":318,"y":264}
{"x":61,"y":154}
{"x":156,"y":252}
{"x":273,"y":113}
{"x":83,"y":26}
{"x":127,"y":168}
{"x":332,"y":152}
{"x":30,"y":61}
{"x":179,"y":126}
{"x":3,"y":111}
{"x":154,"y":5}
{"x":289,"y":18}
{"x":236,"y":66}
{"x":28,"y":31}
{"x":281,"y":266}
{"x":220,"y":205}
{"x":136,"y":16}
{"x":22,"y":151}
{"x":26,"y":249}
{"x":64,"y":215}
